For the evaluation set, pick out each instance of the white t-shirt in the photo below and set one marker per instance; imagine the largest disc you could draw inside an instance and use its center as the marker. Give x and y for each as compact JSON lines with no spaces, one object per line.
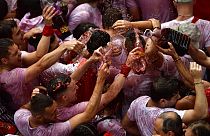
{"x":145,"y":116}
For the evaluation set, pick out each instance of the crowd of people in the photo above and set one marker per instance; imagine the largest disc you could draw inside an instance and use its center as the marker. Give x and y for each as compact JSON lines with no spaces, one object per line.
{"x":104,"y":67}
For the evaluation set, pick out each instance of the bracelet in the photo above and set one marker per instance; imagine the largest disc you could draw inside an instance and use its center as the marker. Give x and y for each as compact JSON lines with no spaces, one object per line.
{"x":48,"y":30}
{"x":177,"y":59}
{"x":125,"y":70}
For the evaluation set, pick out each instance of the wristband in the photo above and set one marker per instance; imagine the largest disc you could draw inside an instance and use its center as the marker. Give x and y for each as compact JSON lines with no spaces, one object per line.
{"x":125,"y":70}
{"x":48,"y":31}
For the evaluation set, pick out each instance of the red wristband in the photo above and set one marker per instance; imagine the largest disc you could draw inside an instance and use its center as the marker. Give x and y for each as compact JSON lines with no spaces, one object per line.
{"x":48,"y":31}
{"x":125,"y":70}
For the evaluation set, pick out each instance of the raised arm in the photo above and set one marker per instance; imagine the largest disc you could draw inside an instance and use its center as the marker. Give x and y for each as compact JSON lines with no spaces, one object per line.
{"x":43,"y":46}
{"x":118,"y":83}
{"x":94,"y":101}
{"x":183,"y":70}
{"x":96,"y":56}
{"x":149,"y":24}
{"x":199,"y":56}
{"x":49,"y":59}
{"x":200,"y":110}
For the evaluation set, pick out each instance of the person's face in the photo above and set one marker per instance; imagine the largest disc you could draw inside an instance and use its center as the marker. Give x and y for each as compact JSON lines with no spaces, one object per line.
{"x":189,"y":132}
{"x":150,"y":49}
{"x":17,"y":37}
{"x":50,"y":114}
{"x":172,"y":102}
{"x":158,"y":128}
{"x":14,"y":58}
{"x":71,"y":92}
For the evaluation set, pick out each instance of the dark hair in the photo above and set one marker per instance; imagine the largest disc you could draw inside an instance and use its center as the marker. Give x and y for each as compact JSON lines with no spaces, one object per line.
{"x":131,"y":39}
{"x":110,"y":16}
{"x":164,"y":88}
{"x":200,"y":128}
{"x":5,"y":43}
{"x":98,"y":38}
{"x":39,"y":102}
{"x":6,"y":27}
{"x":4,"y":9}
{"x":172,"y":123}
{"x":24,"y":6}
{"x":82,"y":28}
{"x":58,"y":85}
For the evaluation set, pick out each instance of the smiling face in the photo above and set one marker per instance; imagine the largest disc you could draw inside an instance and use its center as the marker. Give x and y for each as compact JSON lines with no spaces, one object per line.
{"x":17,"y":37}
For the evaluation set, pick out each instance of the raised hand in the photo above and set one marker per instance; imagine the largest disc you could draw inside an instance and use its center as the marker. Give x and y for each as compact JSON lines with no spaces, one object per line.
{"x":196,"y":71}
{"x":169,"y":51}
{"x":48,"y":13}
{"x":136,"y":53}
{"x":121,"y":24}
{"x":103,"y":72}
{"x":97,"y":55}
{"x":74,"y":45}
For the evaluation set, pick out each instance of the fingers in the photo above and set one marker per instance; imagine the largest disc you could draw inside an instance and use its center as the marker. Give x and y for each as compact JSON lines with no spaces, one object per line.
{"x":35,"y":92}
{"x":105,"y":68}
{"x":49,"y":12}
{"x":120,"y":24}
{"x":196,"y":70}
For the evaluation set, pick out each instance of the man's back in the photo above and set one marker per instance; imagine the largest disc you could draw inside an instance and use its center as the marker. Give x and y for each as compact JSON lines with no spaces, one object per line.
{"x":145,"y":116}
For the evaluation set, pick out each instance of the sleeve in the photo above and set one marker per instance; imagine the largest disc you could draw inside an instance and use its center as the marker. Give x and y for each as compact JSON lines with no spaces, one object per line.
{"x":67,"y":113}
{"x":207,"y":34}
{"x":132,"y":110}
{"x":58,"y":129}
{"x":76,"y":19}
{"x":179,"y":112}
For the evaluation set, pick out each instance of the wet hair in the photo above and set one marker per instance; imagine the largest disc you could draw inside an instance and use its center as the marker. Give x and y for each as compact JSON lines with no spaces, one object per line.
{"x":5,"y":43}
{"x":24,"y":6}
{"x":34,"y":41}
{"x":6,"y":27}
{"x":170,"y":123}
{"x":200,"y":128}
{"x":131,"y":39}
{"x":82,"y":28}
{"x":58,"y":85}
{"x":164,"y":88}
{"x":4,"y":9}
{"x":39,"y":102}
{"x":110,"y":16}
{"x":98,"y":38}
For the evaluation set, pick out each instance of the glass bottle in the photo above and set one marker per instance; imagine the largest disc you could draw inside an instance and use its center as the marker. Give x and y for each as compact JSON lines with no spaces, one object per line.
{"x":60,"y":20}
{"x":138,"y":62}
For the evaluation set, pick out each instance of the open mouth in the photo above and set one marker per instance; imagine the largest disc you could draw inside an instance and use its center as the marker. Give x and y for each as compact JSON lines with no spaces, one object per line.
{"x":138,"y":64}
